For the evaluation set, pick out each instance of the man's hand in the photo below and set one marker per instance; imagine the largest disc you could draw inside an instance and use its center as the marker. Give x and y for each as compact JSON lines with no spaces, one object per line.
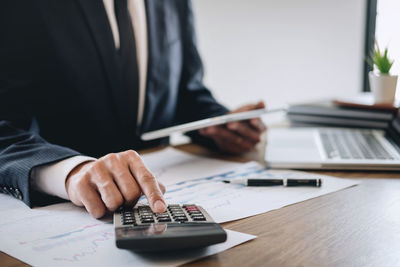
{"x":237,"y":137}
{"x":113,"y":180}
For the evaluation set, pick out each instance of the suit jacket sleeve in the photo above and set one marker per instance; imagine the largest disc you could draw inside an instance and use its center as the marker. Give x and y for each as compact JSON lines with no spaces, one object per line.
{"x":195,"y":100}
{"x":20,"y":149}
{"x":20,"y":152}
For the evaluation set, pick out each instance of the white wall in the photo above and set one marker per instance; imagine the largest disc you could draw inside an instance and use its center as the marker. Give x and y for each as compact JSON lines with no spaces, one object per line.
{"x":388,"y":32}
{"x":281,"y":50}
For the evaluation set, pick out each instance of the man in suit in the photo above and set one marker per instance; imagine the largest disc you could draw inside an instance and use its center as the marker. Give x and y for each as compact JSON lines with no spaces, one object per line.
{"x":80,"y":80}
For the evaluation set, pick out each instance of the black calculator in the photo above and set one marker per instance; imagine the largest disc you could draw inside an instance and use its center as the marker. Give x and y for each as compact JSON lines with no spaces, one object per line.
{"x":179,"y":227}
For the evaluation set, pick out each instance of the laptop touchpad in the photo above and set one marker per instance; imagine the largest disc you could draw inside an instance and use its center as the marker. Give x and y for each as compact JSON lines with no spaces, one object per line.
{"x":292,"y":144}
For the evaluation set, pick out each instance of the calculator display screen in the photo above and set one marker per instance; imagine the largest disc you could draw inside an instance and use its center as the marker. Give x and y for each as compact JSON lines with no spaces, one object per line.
{"x":148,"y":230}
{"x":165,"y":230}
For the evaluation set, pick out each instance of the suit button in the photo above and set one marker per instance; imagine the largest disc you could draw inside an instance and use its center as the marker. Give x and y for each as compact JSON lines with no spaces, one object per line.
{"x":13,"y":192}
{"x":18,"y":194}
{"x":5,"y":190}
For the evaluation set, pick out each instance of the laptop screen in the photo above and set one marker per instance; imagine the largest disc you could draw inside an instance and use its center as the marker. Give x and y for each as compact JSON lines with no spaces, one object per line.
{"x":396,"y":123}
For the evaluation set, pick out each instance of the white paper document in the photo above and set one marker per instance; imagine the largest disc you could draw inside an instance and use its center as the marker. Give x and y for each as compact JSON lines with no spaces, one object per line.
{"x":171,"y":166}
{"x":193,"y":179}
{"x":65,"y":235}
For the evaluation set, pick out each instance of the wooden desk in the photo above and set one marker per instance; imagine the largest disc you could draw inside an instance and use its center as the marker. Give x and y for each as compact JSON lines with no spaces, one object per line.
{"x":358,"y":226}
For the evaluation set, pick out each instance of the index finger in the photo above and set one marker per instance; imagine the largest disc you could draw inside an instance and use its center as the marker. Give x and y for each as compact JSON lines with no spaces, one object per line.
{"x":258,"y":124}
{"x":147,"y":182}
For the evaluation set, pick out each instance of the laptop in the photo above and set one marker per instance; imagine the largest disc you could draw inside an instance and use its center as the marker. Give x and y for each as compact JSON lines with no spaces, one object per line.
{"x":335,"y":148}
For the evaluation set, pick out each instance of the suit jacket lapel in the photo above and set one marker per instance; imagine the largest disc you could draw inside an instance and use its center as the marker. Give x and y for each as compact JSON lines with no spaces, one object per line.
{"x":155,"y":42}
{"x":97,"y":20}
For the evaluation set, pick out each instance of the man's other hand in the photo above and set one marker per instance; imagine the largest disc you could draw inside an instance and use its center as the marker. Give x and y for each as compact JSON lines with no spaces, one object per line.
{"x":240,"y":136}
{"x":115,"y":179}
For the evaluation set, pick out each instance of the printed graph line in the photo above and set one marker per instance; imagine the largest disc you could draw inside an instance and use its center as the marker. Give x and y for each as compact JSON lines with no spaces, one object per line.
{"x":73,"y":232}
{"x":59,"y":236}
{"x":89,"y":250}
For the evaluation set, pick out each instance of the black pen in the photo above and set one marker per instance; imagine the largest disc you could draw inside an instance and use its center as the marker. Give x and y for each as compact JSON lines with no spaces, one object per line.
{"x":274,"y":182}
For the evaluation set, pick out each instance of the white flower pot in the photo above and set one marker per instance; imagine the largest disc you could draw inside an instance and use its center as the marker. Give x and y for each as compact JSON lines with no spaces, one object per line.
{"x":383,"y":87}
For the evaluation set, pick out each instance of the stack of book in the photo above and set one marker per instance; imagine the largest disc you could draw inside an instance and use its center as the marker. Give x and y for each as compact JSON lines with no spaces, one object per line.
{"x":340,"y":114}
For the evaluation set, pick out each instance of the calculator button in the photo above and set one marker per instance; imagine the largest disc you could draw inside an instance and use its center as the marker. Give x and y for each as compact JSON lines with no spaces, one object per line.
{"x":180,"y":216}
{"x":174,"y":213}
{"x":192,"y":208}
{"x":176,"y":210}
{"x":125,"y":222}
{"x":127,"y":212}
{"x":198,"y":218}
{"x":145,"y":214}
{"x":146,"y":217}
{"x":181,"y":219}
{"x":195,"y":213}
{"x":164,"y":219}
{"x":174,"y":207}
{"x":177,"y":213}
{"x":147,"y":220}
{"x":144,"y":210}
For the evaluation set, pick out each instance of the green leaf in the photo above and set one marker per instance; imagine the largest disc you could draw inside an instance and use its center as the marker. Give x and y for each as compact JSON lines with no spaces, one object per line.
{"x":380,"y":60}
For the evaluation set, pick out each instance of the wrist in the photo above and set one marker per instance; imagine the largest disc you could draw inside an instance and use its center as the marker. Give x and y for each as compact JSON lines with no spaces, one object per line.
{"x":75,"y":171}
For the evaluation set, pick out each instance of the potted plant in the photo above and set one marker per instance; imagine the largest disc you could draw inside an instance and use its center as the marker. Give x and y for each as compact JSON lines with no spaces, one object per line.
{"x":383,"y":85}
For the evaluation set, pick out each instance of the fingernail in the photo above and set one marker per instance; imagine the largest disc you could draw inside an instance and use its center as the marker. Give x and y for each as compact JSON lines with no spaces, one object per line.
{"x":159,"y":206}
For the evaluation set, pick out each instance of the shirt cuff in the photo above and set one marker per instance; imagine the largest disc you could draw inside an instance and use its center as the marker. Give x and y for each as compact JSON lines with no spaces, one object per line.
{"x":50,"y":178}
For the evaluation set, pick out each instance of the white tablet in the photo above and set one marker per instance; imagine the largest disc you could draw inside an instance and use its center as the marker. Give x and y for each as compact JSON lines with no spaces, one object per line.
{"x":195,"y":125}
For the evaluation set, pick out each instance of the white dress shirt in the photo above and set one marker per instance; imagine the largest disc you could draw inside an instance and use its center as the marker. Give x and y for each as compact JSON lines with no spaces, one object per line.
{"x":50,"y":178}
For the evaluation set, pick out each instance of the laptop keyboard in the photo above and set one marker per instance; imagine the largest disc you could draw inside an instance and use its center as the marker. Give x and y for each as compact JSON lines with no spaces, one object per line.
{"x":352,"y":144}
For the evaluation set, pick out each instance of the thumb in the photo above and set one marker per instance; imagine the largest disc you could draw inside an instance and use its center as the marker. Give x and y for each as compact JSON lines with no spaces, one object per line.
{"x":260,"y":104}
{"x":248,"y":107}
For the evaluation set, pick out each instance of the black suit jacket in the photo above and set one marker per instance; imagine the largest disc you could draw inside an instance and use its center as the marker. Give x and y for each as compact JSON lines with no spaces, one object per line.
{"x":58,"y":69}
